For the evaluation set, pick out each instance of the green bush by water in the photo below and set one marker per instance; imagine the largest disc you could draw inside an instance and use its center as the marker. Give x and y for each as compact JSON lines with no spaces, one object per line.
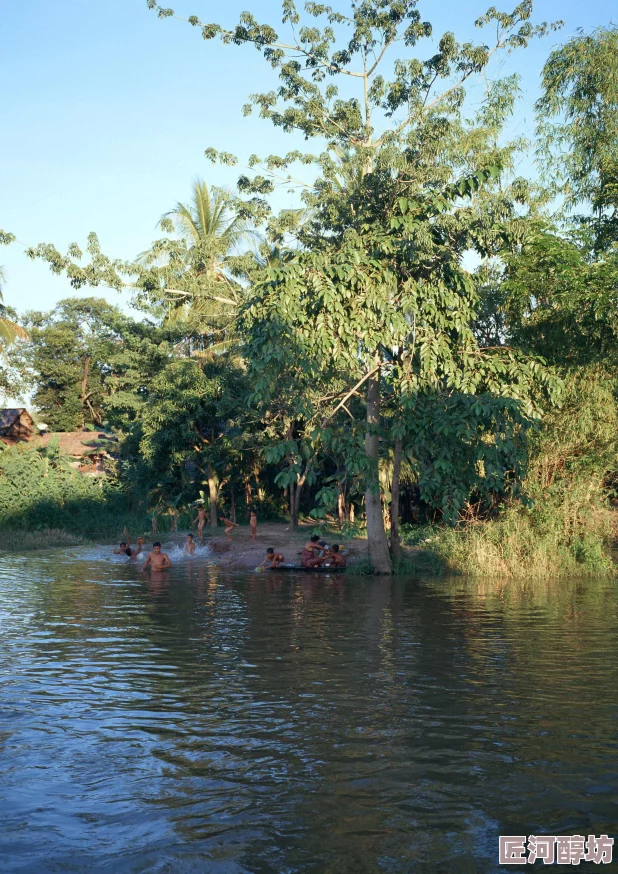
{"x":39,"y":493}
{"x":566,"y":527}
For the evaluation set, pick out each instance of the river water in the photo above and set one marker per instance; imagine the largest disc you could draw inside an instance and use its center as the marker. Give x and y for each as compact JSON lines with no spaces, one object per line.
{"x":225,"y":722}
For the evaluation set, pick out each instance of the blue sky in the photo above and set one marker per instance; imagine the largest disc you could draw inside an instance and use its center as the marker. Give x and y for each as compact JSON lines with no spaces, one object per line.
{"x":106,"y":112}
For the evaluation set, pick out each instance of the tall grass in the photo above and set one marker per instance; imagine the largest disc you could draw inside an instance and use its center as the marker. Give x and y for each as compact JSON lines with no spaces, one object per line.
{"x":567,"y":526}
{"x":30,"y":541}
{"x":516,"y":546}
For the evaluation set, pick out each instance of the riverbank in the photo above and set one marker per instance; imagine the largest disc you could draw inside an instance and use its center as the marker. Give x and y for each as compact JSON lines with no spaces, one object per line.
{"x":17,"y":541}
{"x":239,"y":553}
{"x":505,"y":549}
{"x":242,"y":553}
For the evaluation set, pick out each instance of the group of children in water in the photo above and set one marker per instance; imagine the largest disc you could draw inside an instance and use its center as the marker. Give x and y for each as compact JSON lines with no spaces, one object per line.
{"x":315,"y":553}
{"x":156,"y":560}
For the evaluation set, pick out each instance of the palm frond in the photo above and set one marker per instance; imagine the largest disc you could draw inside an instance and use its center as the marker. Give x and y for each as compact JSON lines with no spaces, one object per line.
{"x":10,"y":332}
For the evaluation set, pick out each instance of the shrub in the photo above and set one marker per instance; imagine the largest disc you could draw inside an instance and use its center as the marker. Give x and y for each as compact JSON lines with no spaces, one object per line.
{"x":565,"y":526}
{"x":39,"y":492}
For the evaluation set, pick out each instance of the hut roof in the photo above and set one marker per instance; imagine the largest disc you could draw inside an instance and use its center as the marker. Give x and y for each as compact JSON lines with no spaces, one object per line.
{"x":9,"y":416}
{"x":72,"y":442}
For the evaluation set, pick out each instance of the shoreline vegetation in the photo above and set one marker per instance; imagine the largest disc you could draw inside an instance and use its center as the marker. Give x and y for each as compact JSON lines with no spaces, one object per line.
{"x":505,"y":550}
{"x":563,"y":525}
{"x":336,"y":363}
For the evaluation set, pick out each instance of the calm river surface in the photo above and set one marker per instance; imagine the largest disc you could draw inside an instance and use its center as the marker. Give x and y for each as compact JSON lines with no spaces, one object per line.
{"x":225,"y":722}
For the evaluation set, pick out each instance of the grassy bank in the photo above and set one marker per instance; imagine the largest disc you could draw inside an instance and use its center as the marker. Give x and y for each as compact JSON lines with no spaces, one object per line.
{"x":517,"y":545}
{"x":29,"y":541}
{"x":564,"y":526}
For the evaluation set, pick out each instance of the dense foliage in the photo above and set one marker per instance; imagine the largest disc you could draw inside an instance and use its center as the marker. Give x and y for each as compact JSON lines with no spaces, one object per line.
{"x":40,"y":490}
{"x":339,"y":358}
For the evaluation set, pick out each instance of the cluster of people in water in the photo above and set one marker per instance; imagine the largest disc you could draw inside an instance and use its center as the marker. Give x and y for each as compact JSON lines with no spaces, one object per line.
{"x":315,"y":553}
{"x":156,"y":560}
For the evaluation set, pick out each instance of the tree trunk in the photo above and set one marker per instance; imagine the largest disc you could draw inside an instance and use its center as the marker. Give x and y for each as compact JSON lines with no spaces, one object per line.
{"x":85,"y":378}
{"x":341,"y":508}
{"x":299,"y":490}
{"x":212,"y":493}
{"x":395,"y":542}
{"x":352,"y":511}
{"x":379,"y":556}
{"x":293,"y":515}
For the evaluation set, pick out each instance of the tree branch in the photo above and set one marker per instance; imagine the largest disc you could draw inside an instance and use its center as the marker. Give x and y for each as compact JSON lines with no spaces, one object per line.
{"x":428,"y":106}
{"x":350,"y":393}
{"x":274,"y":45}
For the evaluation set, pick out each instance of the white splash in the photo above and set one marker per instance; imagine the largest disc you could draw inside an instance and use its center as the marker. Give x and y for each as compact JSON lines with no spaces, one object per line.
{"x":175,"y":551}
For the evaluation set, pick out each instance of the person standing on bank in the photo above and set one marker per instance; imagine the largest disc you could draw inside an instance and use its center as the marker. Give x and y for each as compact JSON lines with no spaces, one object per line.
{"x":229,"y":526}
{"x":201,"y":521}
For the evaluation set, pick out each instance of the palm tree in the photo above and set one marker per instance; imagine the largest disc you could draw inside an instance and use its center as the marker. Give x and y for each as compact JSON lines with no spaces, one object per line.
{"x":9,"y":330}
{"x":209,"y":219}
{"x":348,"y":174}
{"x":193,"y":271}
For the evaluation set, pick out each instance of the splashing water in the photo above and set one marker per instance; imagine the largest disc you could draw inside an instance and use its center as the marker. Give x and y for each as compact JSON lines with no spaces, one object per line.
{"x":175,"y":551}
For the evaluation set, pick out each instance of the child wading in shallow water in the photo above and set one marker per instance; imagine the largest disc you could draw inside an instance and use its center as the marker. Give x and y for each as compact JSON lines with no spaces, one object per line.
{"x":273,"y":559}
{"x":157,"y":560}
{"x":189,"y":545}
{"x":229,"y":526}
{"x":253,"y":525}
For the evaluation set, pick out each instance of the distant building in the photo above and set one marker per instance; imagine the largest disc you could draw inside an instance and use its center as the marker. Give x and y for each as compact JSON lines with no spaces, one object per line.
{"x":16,"y":424}
{"x":89,"y":460}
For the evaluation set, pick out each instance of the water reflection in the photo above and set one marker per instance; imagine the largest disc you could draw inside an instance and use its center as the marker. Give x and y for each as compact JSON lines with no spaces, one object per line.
{"x":204,"y":721}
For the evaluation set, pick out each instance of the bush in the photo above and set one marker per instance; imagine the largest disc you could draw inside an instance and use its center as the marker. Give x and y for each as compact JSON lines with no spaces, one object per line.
{"x":38,"y":492}
{"x":566,"y":525}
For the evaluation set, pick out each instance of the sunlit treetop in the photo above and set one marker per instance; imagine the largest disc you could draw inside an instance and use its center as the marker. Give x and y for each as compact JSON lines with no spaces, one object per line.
{"x":365,"y":77}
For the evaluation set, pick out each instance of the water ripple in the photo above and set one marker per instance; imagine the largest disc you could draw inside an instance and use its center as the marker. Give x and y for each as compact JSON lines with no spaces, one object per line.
{"x":223,"y":722}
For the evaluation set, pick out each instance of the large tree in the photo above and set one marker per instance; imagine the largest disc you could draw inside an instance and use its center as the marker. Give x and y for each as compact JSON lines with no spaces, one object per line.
{"x":379,"y":290}
{"x":578,"y":128}
{"x":87,"y":362}
{"x":557,"y":291}
{"x":197,"y":284}
{"x":196,"y":416}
